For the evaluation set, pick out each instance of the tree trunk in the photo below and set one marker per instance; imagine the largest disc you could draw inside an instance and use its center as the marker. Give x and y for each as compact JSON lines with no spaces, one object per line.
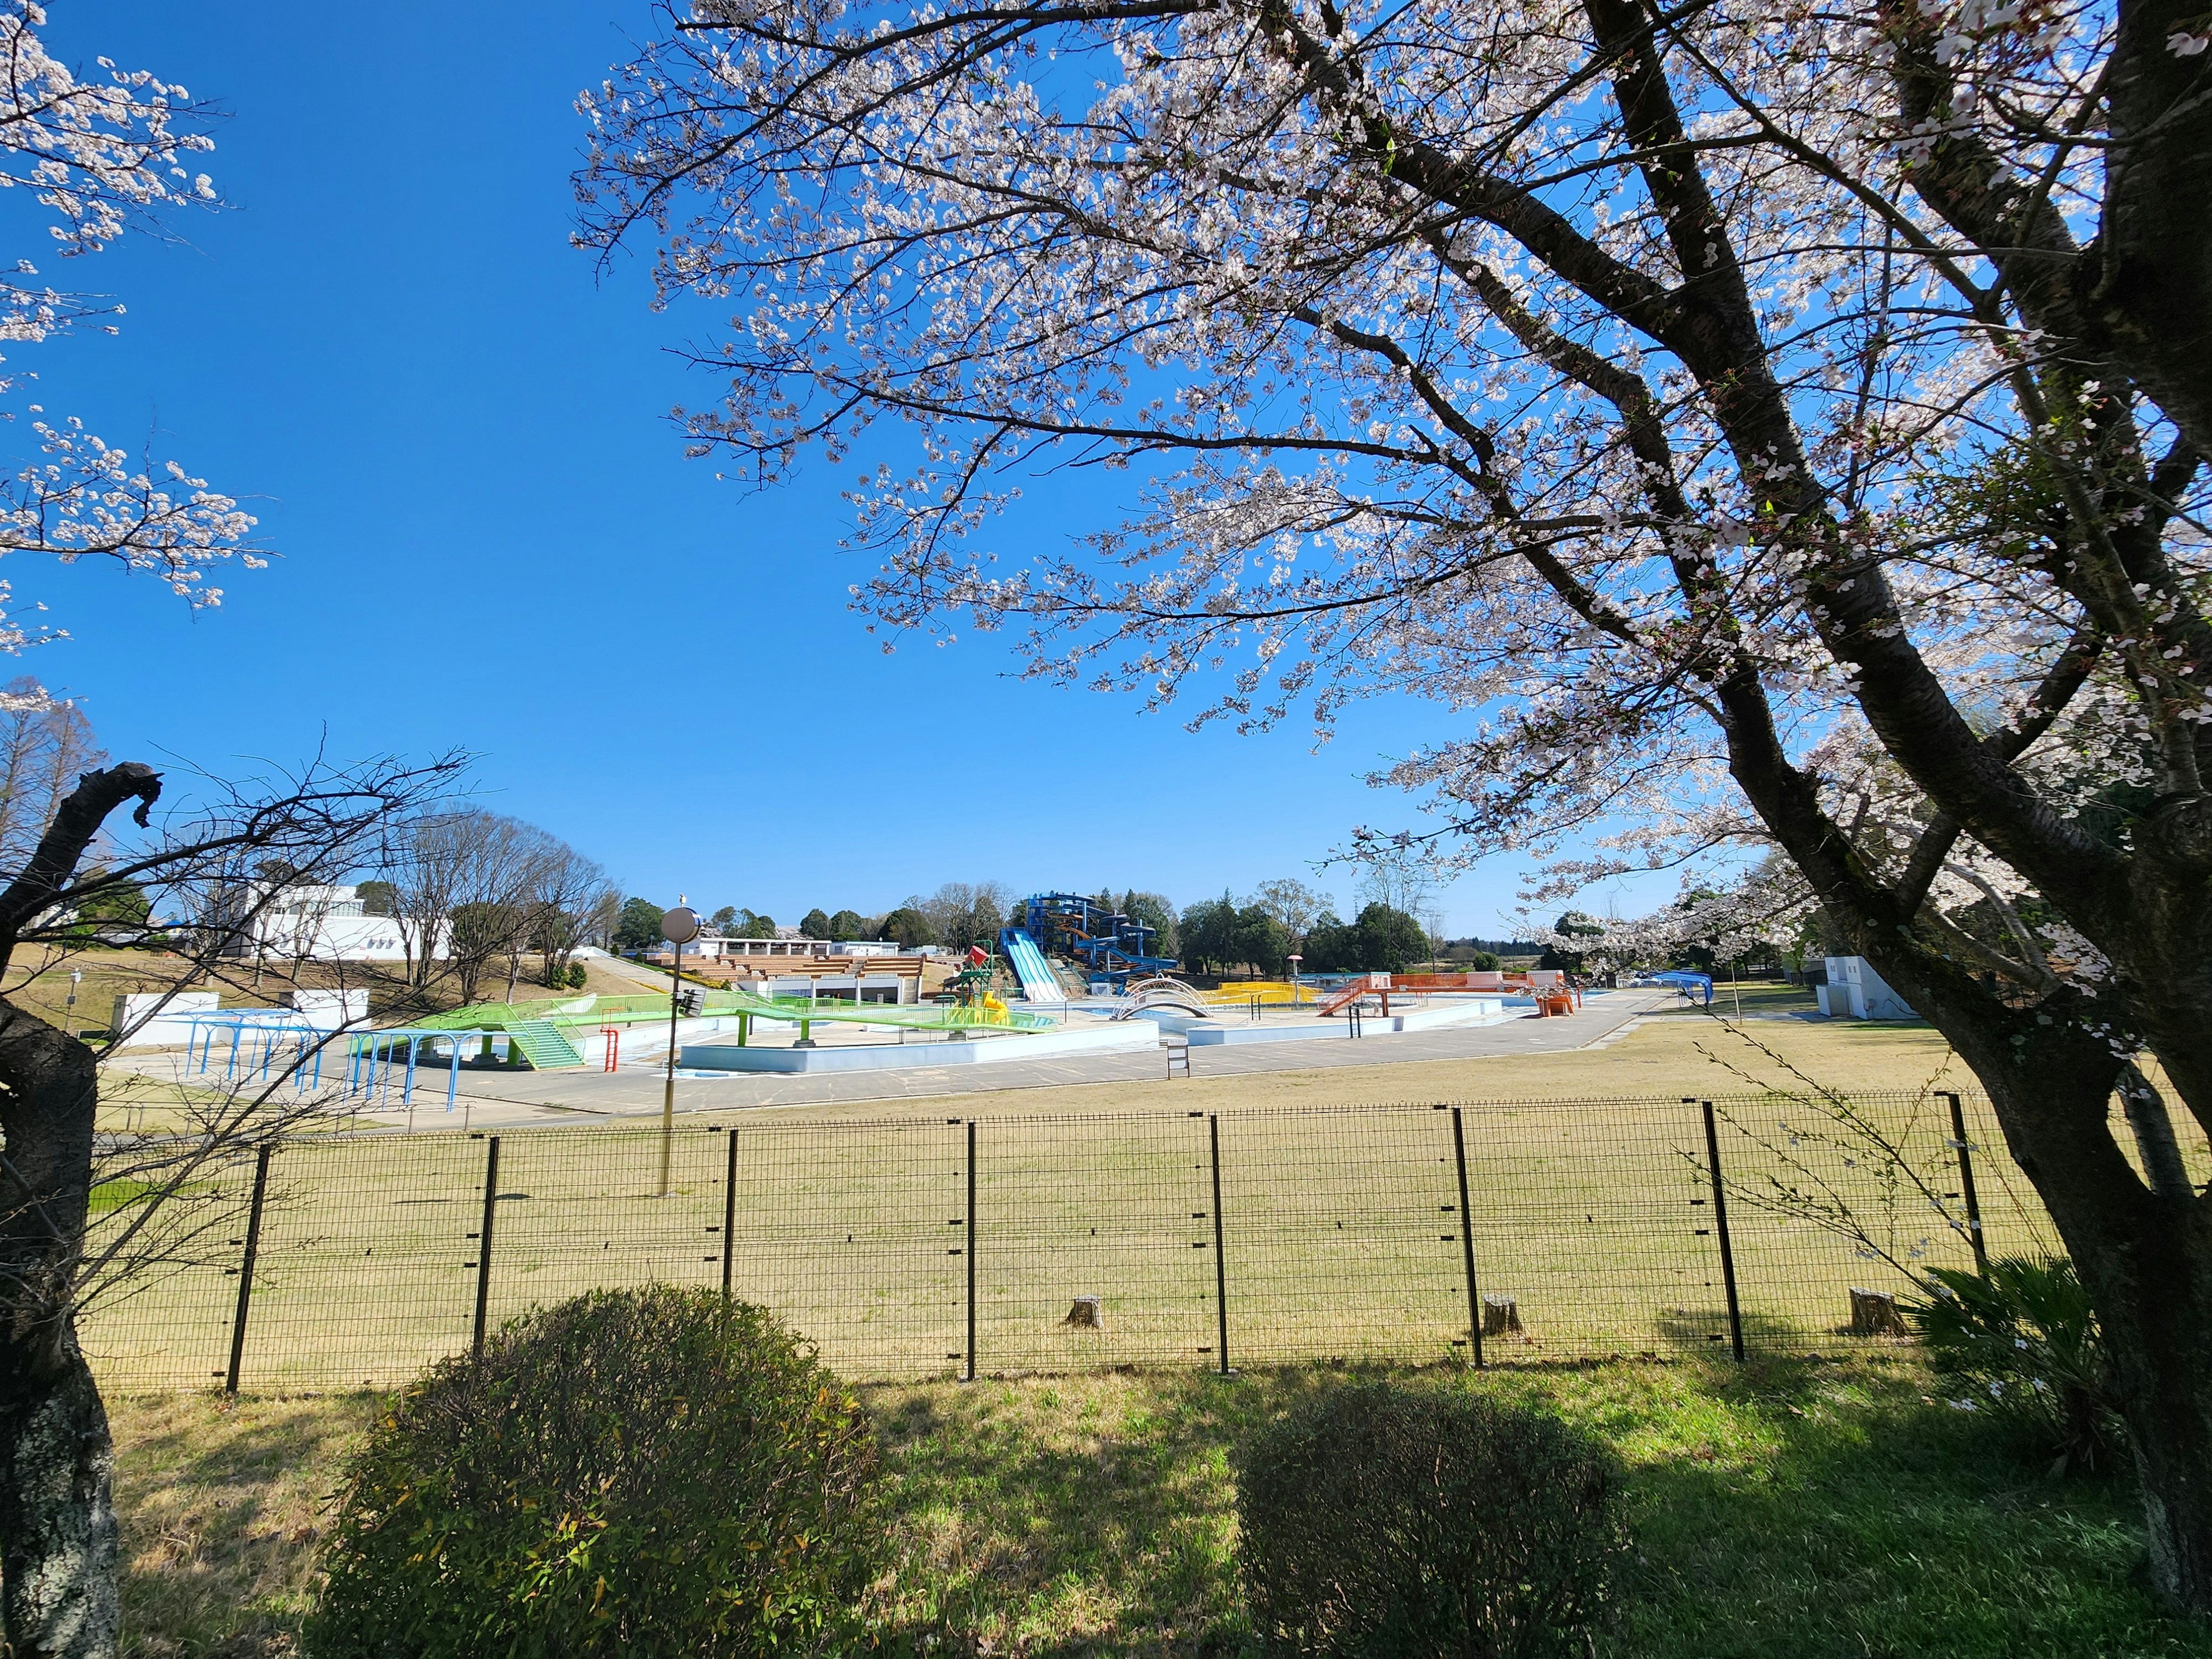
{"x":57,"y":1542}
{"x":57,"y":1533}
{"x":2144,"y":1256}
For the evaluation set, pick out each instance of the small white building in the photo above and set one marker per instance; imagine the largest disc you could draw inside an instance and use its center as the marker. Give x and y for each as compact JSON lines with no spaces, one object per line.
{"x":313,"y":922}
{"x":1855,"y":991}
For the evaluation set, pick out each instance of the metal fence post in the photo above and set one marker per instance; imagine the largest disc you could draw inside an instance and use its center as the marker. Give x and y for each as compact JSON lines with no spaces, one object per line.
{"x":1720,"y":1225}
{"x":245,"y":1266}
{"x":970,"y":1377}
{"x":1220,"y":1266}
{"x":1466,"y":1247}
{"x":729,"y":1214}
{"x":483,"y":1242}
{"x":1966,"y":1184}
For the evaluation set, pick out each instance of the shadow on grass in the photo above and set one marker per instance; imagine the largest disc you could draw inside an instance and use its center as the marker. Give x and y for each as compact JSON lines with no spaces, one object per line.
{"x":1806,"y":1510}
{"x":1083,"y":1515}
{"x":1822,"y":1510}
{"x":221,"y":1508}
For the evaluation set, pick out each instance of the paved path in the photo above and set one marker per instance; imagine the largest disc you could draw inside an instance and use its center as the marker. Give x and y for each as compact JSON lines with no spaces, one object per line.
{"x":490,"y":1100}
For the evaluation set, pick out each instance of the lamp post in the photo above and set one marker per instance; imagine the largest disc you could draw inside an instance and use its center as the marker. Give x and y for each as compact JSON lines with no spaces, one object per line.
{"x":679,"y":927}
{"x":76,"y":978}
{"x":1295,"y":960}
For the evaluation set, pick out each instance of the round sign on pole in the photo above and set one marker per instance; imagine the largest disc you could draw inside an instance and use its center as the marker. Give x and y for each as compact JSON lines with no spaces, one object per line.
{"x":680,"y":925}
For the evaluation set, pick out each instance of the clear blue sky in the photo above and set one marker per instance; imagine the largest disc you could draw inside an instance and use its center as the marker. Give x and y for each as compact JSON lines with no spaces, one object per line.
{"x":454,"y":433}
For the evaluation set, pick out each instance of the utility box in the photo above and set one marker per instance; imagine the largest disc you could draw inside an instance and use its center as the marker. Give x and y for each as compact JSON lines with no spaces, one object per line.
{"x":1855,"y":991}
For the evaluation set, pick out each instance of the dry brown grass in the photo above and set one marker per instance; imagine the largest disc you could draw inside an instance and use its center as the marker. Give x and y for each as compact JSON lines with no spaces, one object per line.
{"x":39,"y":980}
{"x":221,"y":1503}
{"x":1665,"y":1055}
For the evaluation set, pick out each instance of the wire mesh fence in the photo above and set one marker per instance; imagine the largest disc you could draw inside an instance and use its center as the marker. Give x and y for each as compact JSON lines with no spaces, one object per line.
{"x":934,"y":1246}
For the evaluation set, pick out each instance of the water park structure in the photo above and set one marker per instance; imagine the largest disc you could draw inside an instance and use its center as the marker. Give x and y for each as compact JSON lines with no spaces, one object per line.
{"x":1110,"y":991}
{"x":1107,"y":944}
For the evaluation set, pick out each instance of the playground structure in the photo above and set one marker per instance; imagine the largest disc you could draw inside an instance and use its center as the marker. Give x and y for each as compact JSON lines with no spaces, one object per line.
{"x":1109,"y":945}
{"x":1546,"y":988}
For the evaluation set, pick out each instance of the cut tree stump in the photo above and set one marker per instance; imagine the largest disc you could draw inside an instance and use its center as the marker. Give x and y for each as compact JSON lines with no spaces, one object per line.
{"x":1088,"y":1313}
{"x":1501,"y":1317}
{"x":1873,"y":1313}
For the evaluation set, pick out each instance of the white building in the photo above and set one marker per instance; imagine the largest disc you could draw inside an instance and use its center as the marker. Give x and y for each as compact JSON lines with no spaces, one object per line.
{"x":1855,"y":991}
{"x":325,"y":923}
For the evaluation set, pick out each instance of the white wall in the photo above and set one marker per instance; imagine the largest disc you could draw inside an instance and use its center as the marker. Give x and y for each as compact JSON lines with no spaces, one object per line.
{"x":158,"y":1019}
{"x":1856,"y":991}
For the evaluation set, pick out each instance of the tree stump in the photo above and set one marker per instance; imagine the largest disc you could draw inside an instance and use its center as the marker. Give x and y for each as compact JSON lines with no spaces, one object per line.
{"x":1873,"y":1313}
{"x":1501,"y":1317}
{"x":1088,"y":1314}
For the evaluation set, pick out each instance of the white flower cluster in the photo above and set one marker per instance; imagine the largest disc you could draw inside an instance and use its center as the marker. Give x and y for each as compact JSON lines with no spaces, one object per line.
{"x":100,"y":157}
{"x":1394,"y":326}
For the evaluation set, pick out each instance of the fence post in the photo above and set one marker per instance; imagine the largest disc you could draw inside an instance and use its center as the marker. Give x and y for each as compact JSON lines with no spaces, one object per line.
{"x":1466,"y":1247}
{"x":729,"y":1214}
{"x":245,"y":1266}
{"x":1966,"y":1185}
{"x":970,"y":1377}
{"x":1220,"y":1266}
{"x":1720,"y":1225}
{"x":483,"y":1241}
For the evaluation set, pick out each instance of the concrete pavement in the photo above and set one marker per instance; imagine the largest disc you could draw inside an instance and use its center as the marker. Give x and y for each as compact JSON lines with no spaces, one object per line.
{"x":492,"y":1100}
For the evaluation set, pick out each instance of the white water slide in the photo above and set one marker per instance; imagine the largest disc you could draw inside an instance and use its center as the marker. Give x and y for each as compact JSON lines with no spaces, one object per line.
{"x":1039,"y":982}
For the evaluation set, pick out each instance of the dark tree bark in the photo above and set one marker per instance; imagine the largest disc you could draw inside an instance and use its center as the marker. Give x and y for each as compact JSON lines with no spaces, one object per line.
{"x":2120,"y":314}
{"x":57,"y":1536}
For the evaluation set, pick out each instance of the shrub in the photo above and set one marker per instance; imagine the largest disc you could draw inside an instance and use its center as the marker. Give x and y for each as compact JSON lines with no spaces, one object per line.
{"x":2024,"y":1342}
{"x":577,"y":976}
{"x":1378,"y":1520}
{"x":650,"y":1472}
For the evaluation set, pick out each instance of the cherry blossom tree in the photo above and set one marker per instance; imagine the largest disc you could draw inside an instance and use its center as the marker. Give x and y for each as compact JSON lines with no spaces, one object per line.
{"x":102,"y":156}
{"x":1777,"y":421}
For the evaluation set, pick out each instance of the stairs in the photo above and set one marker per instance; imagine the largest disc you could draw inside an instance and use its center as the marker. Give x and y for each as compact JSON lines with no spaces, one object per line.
{"x":542,"y":1043}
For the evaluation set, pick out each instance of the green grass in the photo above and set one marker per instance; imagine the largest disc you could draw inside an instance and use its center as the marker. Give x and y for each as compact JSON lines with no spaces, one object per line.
{"x":1759,"y":997}
{"x":1808,"y":1509}
{"x":1342,"y":1231}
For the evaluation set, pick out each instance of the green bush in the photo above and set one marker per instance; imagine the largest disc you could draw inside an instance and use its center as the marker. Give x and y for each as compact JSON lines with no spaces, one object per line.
{"x":2024,"y":1342}
{"x":1382,"y":1522}
{"x":646,"y":1472}
{"x":577,"y":976}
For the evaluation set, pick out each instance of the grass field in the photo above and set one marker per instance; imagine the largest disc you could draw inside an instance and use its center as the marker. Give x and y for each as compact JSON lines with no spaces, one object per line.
{"x":1340,"y":1233}
{"x":1339,"y":1236}
{"x":38,"y":979}
{"x":1818,"y":1510}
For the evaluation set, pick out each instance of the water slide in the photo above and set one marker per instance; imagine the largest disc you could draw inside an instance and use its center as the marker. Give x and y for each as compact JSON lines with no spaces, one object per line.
{"x":1366,"y":985}
{"x":1039,"y":983}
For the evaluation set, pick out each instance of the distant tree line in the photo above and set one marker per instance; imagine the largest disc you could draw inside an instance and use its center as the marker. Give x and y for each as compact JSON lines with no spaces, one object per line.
{"x":1222,"y":936}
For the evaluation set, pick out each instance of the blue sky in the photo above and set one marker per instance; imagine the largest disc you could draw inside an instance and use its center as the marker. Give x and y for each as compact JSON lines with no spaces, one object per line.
{"x":452,"y":428}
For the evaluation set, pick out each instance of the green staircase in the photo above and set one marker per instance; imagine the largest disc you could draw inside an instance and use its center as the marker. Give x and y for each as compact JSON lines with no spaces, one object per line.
{"x":543,"y":1044}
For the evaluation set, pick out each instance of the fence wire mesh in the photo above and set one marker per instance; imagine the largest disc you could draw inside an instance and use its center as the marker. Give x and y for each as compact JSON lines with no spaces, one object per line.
{"x":934,"y":1246}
